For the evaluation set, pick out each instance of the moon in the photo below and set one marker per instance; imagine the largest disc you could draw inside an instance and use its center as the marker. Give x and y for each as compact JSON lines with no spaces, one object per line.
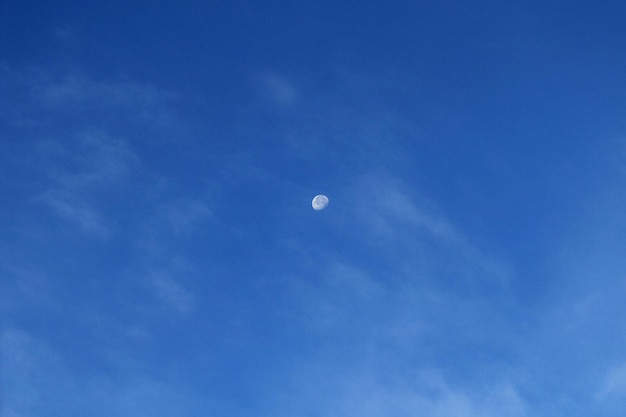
{"x":319,"y":202}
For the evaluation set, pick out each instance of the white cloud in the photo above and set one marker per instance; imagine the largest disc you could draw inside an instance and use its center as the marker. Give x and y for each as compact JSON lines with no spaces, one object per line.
{"x":363,"y":393}
{"x":389,"y":214}
{"x":41,"y":98}
{"x":277,"y":89}
{"x":172,"y":294}
{"x":614,"y":384}
{"x":78,"y":170}
{"x":75,"y":211}
{"x":339,"y":299}
{"x":36,"y":380}
{"x":87,"y":159}
{"x":386,"y":204}
{"x":23,"y":286}
{"x":142,"y":101}
{"x":72,"y":151}
{"x":79,"y":138}
{"x":184,"y":216}
{"x":411,"y":292}
{"x":32,"y":374}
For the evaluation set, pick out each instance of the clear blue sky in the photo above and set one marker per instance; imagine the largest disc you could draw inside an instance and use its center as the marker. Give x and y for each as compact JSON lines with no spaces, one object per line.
{"x":159,"y":255}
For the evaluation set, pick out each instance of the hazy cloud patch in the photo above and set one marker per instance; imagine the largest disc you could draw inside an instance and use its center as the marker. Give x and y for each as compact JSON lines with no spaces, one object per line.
{"x":277,"y":89}
{"x":80,"y":172}
{"x":185,"y":216}
{"x":389,"y":207}
{"x":427,"y":393}
{"x":37,"y":381}
{"x":409,"y":228}
{"x":172,"y":293}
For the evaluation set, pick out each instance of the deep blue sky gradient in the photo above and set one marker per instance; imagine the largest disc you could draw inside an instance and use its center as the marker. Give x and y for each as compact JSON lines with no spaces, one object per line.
{"x":158,"y":251}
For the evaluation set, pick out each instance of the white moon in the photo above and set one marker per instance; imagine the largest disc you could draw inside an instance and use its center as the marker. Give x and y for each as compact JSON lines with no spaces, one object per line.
{"x":319,"y":202}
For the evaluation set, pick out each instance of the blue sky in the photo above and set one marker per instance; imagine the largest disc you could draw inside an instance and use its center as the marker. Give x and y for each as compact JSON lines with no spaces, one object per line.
{"x":159,"y":255}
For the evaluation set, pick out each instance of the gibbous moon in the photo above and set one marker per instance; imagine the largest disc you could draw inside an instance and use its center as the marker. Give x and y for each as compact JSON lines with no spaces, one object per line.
{"x":319,"y":202}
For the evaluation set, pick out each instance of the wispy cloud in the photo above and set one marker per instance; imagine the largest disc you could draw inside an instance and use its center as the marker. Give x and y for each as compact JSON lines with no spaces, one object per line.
{"x":22,"y":286}
{"x":129,"y":100}
{"x":74,"y":136}
{"x":77,"y":212}
{"x":409,"y":228}
{"x":185,"y":216}
{"x":172,"y":294}
{"x":277,"y":89}
{"x":36,"y":380}
{"x":412,"y":293}
{"x":79,"y":170}
{"x":389,"y":206}
{"x":614,"y":384}
{"x":28,"y":371}
{"x":42,"y":98}
{"x":365,"y":392}
{"x":437,"y":401}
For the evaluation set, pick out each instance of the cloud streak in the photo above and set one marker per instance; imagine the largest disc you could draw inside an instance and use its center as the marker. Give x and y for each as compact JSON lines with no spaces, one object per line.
{"x":411,"y":296}
{"x":277,"y":89}
{"x":80,"y":172}
{"x":173,"y":294}
{"x":37,"y":381}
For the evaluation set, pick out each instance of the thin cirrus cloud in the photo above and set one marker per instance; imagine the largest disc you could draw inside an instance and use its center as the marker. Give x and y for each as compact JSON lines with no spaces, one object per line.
{"x":614,"y":382}
{"x":40,"y":97}
{"x":37,"y":381}
{"x":86,"y":176}
{"x":79,"y":93}
{"x":369,"y":391}
{"x":185,"y":216}
{"x":172,"y":294}
{"x":78,"y":171}
{"x":388,"y":303}
{"x":384,"y":306}
{"x":277,"y":89}
{"x":394,"y":215}
{"x":91,"y":161}
{"x":611,"y":393}
{"x":71,"y":170}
